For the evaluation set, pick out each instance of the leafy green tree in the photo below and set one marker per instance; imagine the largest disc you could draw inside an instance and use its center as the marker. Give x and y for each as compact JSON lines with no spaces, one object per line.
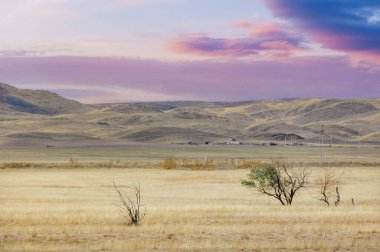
{"x":278,"y":179}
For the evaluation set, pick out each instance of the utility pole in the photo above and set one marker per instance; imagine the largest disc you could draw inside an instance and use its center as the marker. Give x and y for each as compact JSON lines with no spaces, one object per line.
{"x":322,"y":133}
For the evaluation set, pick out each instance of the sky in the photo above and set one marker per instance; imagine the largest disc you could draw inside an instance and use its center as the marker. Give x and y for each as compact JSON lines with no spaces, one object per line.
{"x":101,"y":51}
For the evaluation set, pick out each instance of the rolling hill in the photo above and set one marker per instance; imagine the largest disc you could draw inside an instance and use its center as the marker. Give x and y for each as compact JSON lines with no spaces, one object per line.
{"x":45,"y":115}
{"x":37,"y":102}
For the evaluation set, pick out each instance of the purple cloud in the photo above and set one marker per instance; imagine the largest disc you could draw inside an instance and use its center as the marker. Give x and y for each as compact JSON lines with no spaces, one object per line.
{"x":352,"y":25}
{"x":264,"y":39}
{"x":99,"y":79}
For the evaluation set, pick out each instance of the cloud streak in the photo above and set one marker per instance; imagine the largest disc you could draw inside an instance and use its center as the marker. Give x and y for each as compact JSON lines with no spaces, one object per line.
{"x":102,"y":79}
{"x":268,"y":39}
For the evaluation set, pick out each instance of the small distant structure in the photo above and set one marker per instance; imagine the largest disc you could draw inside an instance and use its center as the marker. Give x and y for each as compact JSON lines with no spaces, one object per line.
{"x":233,"y":141}
{"x":290,"y":139}
{"x":286,"y":137}
{"x":191,"y":143}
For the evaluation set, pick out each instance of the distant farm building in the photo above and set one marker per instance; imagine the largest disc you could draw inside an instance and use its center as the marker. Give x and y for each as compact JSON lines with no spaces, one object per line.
{"x":289,"y":139}
{"x":233,"y":141}
{"x":286,"y":137}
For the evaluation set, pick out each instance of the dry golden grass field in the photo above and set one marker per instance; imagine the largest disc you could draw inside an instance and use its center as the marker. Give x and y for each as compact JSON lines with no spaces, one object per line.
{"x":72,"y":207}
{"x":73,"y":210}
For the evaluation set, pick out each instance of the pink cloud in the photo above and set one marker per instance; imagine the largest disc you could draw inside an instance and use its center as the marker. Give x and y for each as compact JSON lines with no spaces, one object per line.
{"x":243,"y":25}
{"x":203,"y":45}
{"x":263,"y":28}
{"x":278,"y":45}
{"x":342,"y":42}
{"x":267,"y":39}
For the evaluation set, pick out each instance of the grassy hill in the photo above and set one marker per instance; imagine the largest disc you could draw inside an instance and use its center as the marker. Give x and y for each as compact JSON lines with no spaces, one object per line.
{"x":37,"y":102}
{"x":45,"y":115}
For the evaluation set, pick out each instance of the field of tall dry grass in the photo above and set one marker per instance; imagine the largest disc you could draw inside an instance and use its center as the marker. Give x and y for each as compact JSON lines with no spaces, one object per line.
{"x":74,"y":209}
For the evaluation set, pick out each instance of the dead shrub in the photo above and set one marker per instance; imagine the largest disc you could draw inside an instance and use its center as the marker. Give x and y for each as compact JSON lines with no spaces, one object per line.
{"x":131,"y":209}
{"x":169,"y":163}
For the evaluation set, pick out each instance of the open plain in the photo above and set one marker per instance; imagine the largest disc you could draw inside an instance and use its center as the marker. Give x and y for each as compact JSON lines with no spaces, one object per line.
{"x":73,"y":209}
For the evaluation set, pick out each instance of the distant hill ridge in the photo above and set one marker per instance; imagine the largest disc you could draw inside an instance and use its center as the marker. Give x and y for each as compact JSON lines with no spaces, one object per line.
{"x":38,"y":101}
{"x":46,"y":115}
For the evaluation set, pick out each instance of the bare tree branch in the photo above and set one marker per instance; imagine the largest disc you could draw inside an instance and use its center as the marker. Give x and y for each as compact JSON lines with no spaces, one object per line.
{"x":327,"y":182}
{"x":131,"y":209}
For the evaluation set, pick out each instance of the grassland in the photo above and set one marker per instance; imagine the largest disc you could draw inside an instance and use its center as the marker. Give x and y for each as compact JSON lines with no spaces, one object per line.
{"x":70,"y":209}
{"x":65,"y":208}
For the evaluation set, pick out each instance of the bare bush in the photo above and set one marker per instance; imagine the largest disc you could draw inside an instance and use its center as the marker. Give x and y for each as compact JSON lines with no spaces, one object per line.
{"x":131,"y":209}
{"x":327,"y":183}
{"x":195,"y":165}
{"x":278,"y":179}
{"x":73,"y":163}
{"x":169,"y":163}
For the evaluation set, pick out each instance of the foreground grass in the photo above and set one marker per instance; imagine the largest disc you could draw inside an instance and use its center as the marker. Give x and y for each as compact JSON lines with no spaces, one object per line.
{"x":71,"y":209}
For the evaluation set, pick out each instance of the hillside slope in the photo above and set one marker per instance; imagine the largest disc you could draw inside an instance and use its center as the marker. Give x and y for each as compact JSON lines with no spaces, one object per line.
{"x":45,"y":115}
{"x":37,"y":102}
